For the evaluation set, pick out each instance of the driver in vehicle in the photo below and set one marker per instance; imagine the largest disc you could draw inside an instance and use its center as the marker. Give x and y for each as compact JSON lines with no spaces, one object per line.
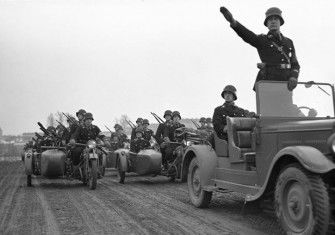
{"x":228,"y":109}
{"x":83,"y":133}
{"x":139,"y":143}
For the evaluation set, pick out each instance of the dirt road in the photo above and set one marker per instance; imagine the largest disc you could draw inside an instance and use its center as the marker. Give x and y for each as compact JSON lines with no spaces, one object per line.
{"x":144,"y":205}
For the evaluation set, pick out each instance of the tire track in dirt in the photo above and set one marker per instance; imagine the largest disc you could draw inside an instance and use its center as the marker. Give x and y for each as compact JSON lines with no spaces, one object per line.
{"x":172,"y":214}
{"x":112,"y":220}
{"x":51,"y":222}
{"x":8,"y":198}
{"x":229,"y":205}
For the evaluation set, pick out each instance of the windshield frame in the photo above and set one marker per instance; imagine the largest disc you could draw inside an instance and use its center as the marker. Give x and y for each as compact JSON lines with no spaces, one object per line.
{"x":257,"y":85}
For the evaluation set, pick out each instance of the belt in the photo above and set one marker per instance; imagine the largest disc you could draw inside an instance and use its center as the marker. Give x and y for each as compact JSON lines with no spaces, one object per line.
{"x":278,"y":66}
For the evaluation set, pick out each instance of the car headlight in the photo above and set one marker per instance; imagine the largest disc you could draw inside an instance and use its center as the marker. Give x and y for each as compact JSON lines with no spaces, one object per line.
{"x":91,"y":144}
{"x":331,"y":143}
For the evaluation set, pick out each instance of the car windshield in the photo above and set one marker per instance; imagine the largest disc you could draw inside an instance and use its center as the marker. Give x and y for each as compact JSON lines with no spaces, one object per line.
{"x":306,"y":100}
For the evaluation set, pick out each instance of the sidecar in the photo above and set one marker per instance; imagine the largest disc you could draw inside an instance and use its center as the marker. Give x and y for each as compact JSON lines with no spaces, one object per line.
{"x":145,"y":162}
{"x":50,"y":163}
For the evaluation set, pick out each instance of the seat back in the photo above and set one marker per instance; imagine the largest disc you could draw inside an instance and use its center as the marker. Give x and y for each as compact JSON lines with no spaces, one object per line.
{"x":240,"y":136}
{"x":221,"y":146}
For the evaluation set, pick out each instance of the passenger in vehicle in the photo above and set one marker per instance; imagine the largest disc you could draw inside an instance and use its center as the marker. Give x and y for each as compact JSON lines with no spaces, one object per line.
{"x":148,"y":133}
{"x":139,"y":123}
{"x":228,"y":109}
{"x":139,"y":143}
{"x":202,"y":122}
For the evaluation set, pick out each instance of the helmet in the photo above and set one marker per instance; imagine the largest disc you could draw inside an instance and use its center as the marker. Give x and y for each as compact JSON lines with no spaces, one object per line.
{"x":51,"y":129}
{"x":139,"y":120}
{"x":88,"y":116}
{"x":231,"y":89}
{"x":118,"y":127}
{"x":176,"y":113}
{"x":139,"y":129}
{"x":167,"y":112}
{"x":202,"y":119}
{"x":81,"y":111}
{"x":273,"y":11}
{"x":145,"y":121}
{"x":208,"y":120}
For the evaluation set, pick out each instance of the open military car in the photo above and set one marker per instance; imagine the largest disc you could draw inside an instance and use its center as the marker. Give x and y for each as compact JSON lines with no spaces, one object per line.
{"x":286,"y":154}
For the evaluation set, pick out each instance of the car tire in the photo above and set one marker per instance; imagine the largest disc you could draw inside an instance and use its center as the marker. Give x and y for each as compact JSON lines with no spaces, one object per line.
{"x":199,"y":197}
{"x":301,"y":201}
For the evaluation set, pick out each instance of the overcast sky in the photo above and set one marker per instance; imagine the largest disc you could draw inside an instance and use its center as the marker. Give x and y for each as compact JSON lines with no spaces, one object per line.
{"x":114,"y":57}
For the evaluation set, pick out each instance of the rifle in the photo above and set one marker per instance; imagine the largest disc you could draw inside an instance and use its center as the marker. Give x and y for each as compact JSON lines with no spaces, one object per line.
{"x":132,"y":125}
{"x":38,"y":136}
{"x":47,"y":132}
{"x":196,"y":124}
{"x":70,"y":119}
{"x":34,"y":139}
{"x":109,"y":130}
{"x":157,"y":118}
{"x":60,"y":124}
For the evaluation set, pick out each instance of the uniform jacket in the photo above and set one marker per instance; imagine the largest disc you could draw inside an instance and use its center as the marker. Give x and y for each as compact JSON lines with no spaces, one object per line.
{"x":169,"y":130}
{"x":270,"y":54}
{"x":85,"y":133}
{"x":147,"y":134}
{"x":138,"y":144}
{"x":223,"y":111}
{"x":160,"y":131}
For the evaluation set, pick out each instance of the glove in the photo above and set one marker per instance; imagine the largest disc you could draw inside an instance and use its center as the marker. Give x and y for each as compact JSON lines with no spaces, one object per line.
{"x":226,"y":13}
{"x":292,"y":83}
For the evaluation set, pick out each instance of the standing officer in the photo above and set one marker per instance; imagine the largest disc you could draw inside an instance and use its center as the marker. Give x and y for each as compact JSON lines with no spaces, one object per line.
{"x":147,"y":132}
{"x":139,"y":143}
{"x":228,"y":109}
{"x":83,"y":133}
{"x":277,"y":53}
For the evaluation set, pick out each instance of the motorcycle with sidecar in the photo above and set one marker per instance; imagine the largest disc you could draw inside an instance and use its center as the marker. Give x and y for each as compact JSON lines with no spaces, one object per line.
{"x":149,"y":161}
{"x":55,"y":162}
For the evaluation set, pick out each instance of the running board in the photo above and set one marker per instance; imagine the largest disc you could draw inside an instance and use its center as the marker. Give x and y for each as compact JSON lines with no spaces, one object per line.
{"x":224,"y":186}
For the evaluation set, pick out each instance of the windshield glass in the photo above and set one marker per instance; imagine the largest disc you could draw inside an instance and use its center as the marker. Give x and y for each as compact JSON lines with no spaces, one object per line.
{"x":306,"y":100}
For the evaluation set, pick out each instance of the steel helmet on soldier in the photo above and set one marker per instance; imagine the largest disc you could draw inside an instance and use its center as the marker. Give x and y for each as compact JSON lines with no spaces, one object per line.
{"x":81,"y":111}
{"x":88,"y":116}
{"x":209,"y":120}
{"x":202,"y":119}
{"x":273,"y":11}
{"x":167,"y":112}
{"x":118,"y":127}
{"x":231,"y":89}
{"x":139,"y":120}
{"x":145,"y":121}
{"x":176,"y":113}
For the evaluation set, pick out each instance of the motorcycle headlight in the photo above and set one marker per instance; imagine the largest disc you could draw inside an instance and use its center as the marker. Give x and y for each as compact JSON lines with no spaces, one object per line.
{"x":331,"y":143}
{"x":91,"y":144}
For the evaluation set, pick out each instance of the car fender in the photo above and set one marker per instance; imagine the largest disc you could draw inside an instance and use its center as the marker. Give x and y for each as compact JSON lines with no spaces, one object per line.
{"x":309,"y":157}
{"x":28,"y":162}
{"x":207,"y":159}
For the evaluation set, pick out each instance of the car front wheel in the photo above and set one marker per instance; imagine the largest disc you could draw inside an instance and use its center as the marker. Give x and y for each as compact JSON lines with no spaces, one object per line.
{"x":301,"y":201}
{"x":199,"y":197}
